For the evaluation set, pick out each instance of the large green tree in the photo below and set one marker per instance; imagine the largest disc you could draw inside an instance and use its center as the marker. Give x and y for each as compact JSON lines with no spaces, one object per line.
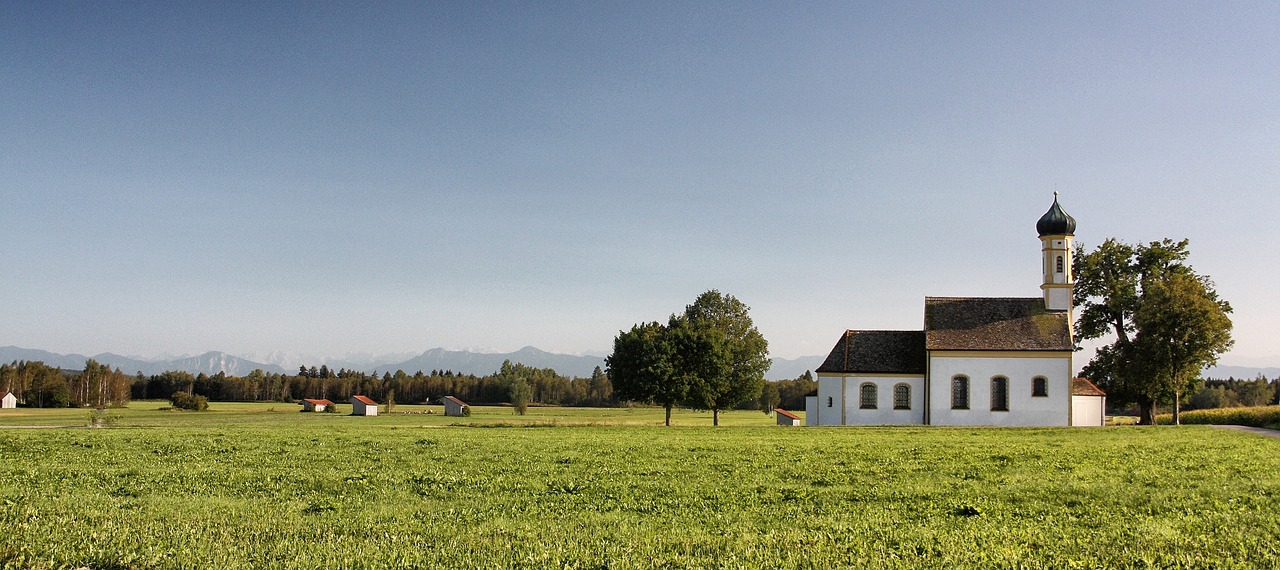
{"x":1166,"y":322}
{"x":642,"y":367}
{"x":721,"y":353}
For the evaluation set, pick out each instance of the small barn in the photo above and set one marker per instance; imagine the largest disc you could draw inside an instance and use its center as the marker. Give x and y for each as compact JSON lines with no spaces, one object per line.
{"x":8,"y":400}
{"x":786,"y":418}
{"x":455,"y":407}
{"x":363,"y":406}
{"x":1088,"y":403}
{"x":315,"y":405}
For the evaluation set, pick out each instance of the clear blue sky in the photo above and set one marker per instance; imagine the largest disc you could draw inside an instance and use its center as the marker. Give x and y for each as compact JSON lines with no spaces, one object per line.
{"x":324,"y":177}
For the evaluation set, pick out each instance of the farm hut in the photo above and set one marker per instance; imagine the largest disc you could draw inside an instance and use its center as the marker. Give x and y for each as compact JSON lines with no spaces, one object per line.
{"x":1088,"y":403}
{"x":786,"y":418}
{"x":455,"y":407}
{"x":315,"y":405}
{"x":363,"y":406}
{"x":8,"y":400}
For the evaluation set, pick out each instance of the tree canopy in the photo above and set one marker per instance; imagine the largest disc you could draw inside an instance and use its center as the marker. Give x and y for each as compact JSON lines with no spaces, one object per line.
{"x":710,"y":357}
{"x":1168,"y":322}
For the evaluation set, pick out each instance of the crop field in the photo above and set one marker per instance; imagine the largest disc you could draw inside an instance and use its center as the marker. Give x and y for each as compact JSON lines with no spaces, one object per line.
{"x":263,"y":486}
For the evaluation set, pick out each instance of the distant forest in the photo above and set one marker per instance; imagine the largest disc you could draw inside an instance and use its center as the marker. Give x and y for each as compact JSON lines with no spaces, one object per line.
{"x":38,"y":385}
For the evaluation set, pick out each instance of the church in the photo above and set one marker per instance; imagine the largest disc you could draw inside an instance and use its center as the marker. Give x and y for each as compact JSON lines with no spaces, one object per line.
{"x":980,"y":361}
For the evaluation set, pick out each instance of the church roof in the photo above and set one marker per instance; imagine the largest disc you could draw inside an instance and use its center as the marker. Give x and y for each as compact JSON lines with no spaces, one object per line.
{"x":994,"y":323}
{"x":1056,"y":222}
{"x":881,"y":352}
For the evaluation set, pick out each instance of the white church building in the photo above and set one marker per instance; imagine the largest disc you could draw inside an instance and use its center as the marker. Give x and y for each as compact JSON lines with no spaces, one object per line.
{"x":990,"y":361}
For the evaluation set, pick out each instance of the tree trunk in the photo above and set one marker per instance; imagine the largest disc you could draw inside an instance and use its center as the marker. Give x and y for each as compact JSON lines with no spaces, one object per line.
{"x":668,"y":415}
{"x":1177,"y":408}
{"x":1147,"y":412}
{"x":715,"y":417}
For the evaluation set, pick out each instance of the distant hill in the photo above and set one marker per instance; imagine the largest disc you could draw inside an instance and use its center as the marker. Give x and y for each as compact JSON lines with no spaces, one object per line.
{"x":482,"y":364}
{"x":786,"y":369}
{"x":1240,"y":372}
{"x":209,"y":363}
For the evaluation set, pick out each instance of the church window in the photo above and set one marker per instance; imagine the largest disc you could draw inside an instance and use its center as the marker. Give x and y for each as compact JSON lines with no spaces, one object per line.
{"x":960,"y":393}
{"x":999,"y":394}
{"x":902,"y":397}
{"x":867,"y":396}
{"x":1040,"y":387}
{"x":829,"y":402}
{"x":1059,"y":264}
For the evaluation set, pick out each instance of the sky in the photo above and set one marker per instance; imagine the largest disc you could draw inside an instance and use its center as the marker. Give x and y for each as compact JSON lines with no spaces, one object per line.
{"x":329,"y":177}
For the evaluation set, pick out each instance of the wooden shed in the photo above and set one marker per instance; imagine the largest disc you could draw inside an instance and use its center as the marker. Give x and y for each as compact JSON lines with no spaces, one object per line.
{"x":455,"y":407}
{"x":363,"y":406}
{"x":315,"y":405}
{"x":7,"y":399}
{"x":786,"y":418}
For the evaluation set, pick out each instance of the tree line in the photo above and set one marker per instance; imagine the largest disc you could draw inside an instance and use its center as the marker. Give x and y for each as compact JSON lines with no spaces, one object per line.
{"x":39,"y":385}
{"x":1234,"y":393}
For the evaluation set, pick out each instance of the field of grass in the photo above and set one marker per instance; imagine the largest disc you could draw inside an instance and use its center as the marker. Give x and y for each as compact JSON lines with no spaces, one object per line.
{"x":248,"y":487}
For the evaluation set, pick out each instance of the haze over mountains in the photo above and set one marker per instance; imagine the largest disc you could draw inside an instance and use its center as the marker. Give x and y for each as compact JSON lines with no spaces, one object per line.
{"x":461,"y":361}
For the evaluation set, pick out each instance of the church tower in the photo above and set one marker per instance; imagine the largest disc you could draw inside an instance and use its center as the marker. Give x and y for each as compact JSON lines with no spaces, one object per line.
{"x":1057,"y":229}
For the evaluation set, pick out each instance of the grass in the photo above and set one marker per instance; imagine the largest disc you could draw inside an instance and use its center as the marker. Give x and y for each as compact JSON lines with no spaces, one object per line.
{"x":247,"y":487}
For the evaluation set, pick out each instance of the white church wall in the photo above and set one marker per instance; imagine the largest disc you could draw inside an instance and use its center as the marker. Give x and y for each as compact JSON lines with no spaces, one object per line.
{"x":830,"y":400}
{"x":883,"y":413}
{"x":980,"y":368}
{"x":811,"y":410}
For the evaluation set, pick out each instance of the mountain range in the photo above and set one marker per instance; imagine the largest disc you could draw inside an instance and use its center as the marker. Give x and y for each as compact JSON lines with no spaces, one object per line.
{"x":461,"y":361}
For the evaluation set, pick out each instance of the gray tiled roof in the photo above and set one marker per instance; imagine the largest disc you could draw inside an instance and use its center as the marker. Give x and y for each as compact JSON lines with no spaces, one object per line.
{"x":883,"y":352}
{"x":994,"y":323}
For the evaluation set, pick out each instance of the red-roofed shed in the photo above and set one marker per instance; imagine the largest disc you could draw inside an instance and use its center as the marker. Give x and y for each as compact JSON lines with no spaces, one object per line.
{"x":363,"y":406}
{"x":315,"y":405}
{"x":786,"y":418}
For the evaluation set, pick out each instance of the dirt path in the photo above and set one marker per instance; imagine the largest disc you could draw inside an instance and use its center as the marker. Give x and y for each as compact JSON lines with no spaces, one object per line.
{"x":1257,"y":430}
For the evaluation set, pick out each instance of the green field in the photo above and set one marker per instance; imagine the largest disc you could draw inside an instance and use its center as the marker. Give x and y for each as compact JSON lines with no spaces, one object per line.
{"x":261,"y":485}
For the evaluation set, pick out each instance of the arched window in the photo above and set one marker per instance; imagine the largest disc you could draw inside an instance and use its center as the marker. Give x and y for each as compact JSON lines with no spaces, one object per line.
{"x":867,"y":396}
{"x":999,"y":394}
{"x":960,"y":392}
{"x":828,"y":401}
{"x":1059,"y":264}
{"x":1040,"y":387}
{"x":902,"y":396}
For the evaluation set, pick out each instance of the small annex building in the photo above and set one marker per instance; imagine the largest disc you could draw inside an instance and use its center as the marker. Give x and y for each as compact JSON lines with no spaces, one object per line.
{"x":997,"y":361}
{"x":786,"y":418}
{"x":455,"y":407}
{"x":363,"y":406}
{"x":1088,"y":403}
{"x":8,"y":400}
{"x":315,"y":405}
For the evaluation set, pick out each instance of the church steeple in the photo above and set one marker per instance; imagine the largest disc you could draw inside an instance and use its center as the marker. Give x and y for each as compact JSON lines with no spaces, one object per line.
{"x":1057,"y":230}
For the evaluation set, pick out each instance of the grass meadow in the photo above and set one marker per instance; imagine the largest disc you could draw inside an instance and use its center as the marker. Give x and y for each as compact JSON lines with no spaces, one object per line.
{"x":263,"y":486}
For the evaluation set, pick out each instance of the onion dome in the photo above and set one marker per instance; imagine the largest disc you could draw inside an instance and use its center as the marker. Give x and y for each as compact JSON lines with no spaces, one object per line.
{"x":1056,"y":222}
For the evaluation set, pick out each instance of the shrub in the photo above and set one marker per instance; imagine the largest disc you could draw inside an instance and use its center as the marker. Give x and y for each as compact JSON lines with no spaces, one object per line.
{"x":1257,"y":416}
{"x":186,"y":401}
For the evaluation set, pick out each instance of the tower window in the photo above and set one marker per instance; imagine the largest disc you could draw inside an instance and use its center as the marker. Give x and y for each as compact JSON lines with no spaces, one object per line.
{"x":960,"y":393}
{"x":829,"y":401}
{"x":902,"y":397}
{"x":999,"y":394}
{"x":1059,"y":264}
{"x":1040,"y":387}
{"x":867,"y":396}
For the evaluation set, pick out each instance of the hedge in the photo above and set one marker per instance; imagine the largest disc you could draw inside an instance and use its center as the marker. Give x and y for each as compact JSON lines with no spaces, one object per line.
{"x":1255,"y":416}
